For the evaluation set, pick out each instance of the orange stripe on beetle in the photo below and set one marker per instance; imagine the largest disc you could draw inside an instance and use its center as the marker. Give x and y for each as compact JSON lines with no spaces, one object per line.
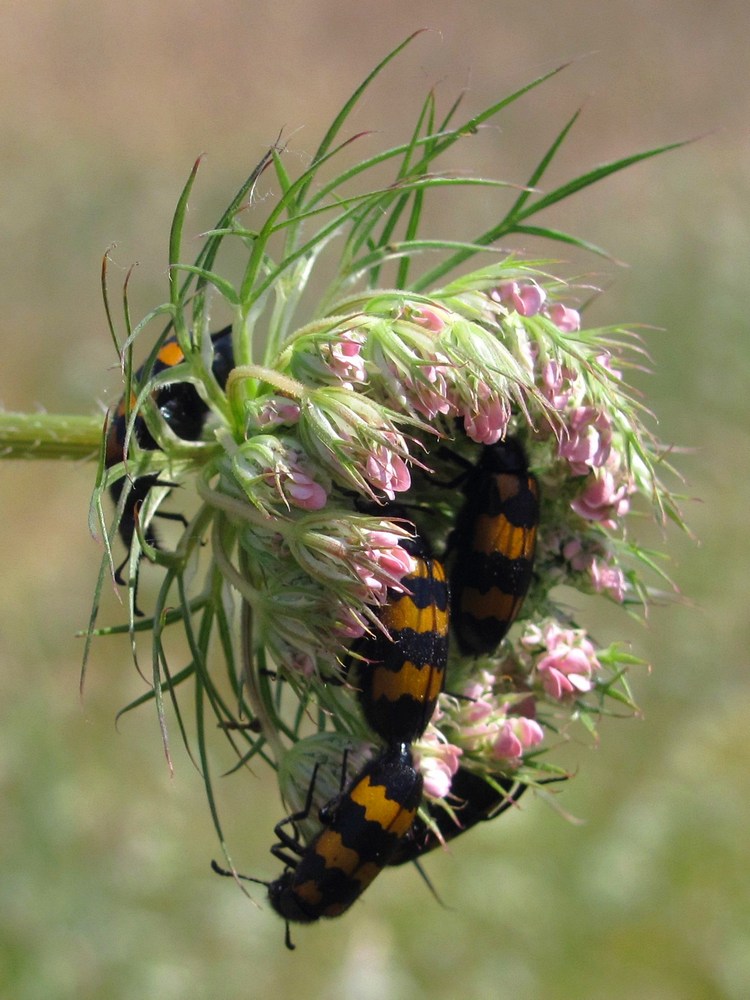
{"x":171,"y":354}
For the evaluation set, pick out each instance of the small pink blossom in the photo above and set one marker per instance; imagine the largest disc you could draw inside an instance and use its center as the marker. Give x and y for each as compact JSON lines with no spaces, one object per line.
{"x":382,"y":566}
{"x":605,"y":577}
{"x":603,"y":500}
{"x":500,"y":728}
{"x":437,"y":777}
{"x":384,"y":549}
{"x":586,"y":441}
{"x":532,"y":637}
{"x":302,"y":663}
{"x":422,"y":384}
{"x":346,"y":360}
{"x":428,"y":318}
{"x":349,"y":625}
{"x":574,"y":553}
{"x":478,"y":699}
{"x":429,"y":394}
{"x":388,"y":471}
{"x":295,"y":485}
{"x":608,"y":579}
{"x":374,"y":588}
{"x":517,"y":735}
{"x":526,"y":298}
{"x":568,"y":663}
{"x":557,"y":382}
{"x":304,"y":492}
{"x":486,"y":423}
{"x":276,"y":411}
{"x":566,"y":319}
{"x":437,"y":761}
{"x":606,"y":361}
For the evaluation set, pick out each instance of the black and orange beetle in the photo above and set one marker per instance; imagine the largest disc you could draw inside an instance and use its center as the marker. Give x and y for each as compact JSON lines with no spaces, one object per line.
{"x":400,"y":670}
{"x":361,"y":831}
{"x":184,"y":412}
{"x":492,"y":546}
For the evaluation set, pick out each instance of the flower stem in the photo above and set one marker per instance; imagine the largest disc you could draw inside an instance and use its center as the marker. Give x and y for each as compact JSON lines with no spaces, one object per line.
{"x":49,"y":435}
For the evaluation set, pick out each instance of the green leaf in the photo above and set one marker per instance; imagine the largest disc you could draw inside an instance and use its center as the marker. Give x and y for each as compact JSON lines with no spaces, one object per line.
{"x":207,"y":254}
{"x":471,"y":126}
{"x":546,"y":233}
{"x":510,"y":225}
{"x":407,"y":248}
{"x":346,"y":110}
{"x":221,"y":284}
{"x":542,"y":167}
{"x":587,"y":179}
{"x":175,"y":235}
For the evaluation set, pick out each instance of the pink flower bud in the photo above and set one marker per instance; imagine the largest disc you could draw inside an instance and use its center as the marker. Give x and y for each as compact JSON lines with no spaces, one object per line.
{"x":487,"y":424}
{"x":349,"y":625}
{"x":586,"y":442}
{"x":274,"y":412}
{"x":568,"y":663}
{"x":388,"y":471}
{"x":517,"y":735}
{"x":574,"y":553}
{"x":389,"y":555}
{"x":304,"y":492}
{"x":429,"y":400}
{"x":526,"y":298}
{"x":345,"y":358}
{"x":507,"y":744}
{"x":608,"y":579}
{"x":437,"y":778}
{"x":382,"y":566}
{"x":605,"y":360}
{"x":438,"y":761}
{"x":554,"y":379}
{"x":565,"y":319}
{"x":602,"y":500}
{"x":430,"y":319}
{"x":302,"y":663}
{"x":293,"y":483}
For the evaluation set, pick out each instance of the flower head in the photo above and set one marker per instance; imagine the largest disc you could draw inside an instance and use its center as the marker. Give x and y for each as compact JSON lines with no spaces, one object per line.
{"x":355,"y":441}
{"x":302,"y":424}
{"x":275,"y":471}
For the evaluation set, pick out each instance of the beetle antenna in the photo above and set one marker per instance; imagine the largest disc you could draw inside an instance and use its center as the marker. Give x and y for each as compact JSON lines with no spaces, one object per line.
{"x":227,"y":874}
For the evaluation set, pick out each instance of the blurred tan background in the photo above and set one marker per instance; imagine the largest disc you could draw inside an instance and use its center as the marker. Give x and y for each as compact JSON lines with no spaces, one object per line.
{"x":105,"y":889}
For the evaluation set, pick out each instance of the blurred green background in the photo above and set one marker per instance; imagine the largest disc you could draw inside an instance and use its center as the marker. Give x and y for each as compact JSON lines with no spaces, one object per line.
{"x":105,"y":888}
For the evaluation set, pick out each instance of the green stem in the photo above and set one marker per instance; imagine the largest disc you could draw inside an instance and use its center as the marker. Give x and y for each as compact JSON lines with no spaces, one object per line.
{"x":50,"y":435}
